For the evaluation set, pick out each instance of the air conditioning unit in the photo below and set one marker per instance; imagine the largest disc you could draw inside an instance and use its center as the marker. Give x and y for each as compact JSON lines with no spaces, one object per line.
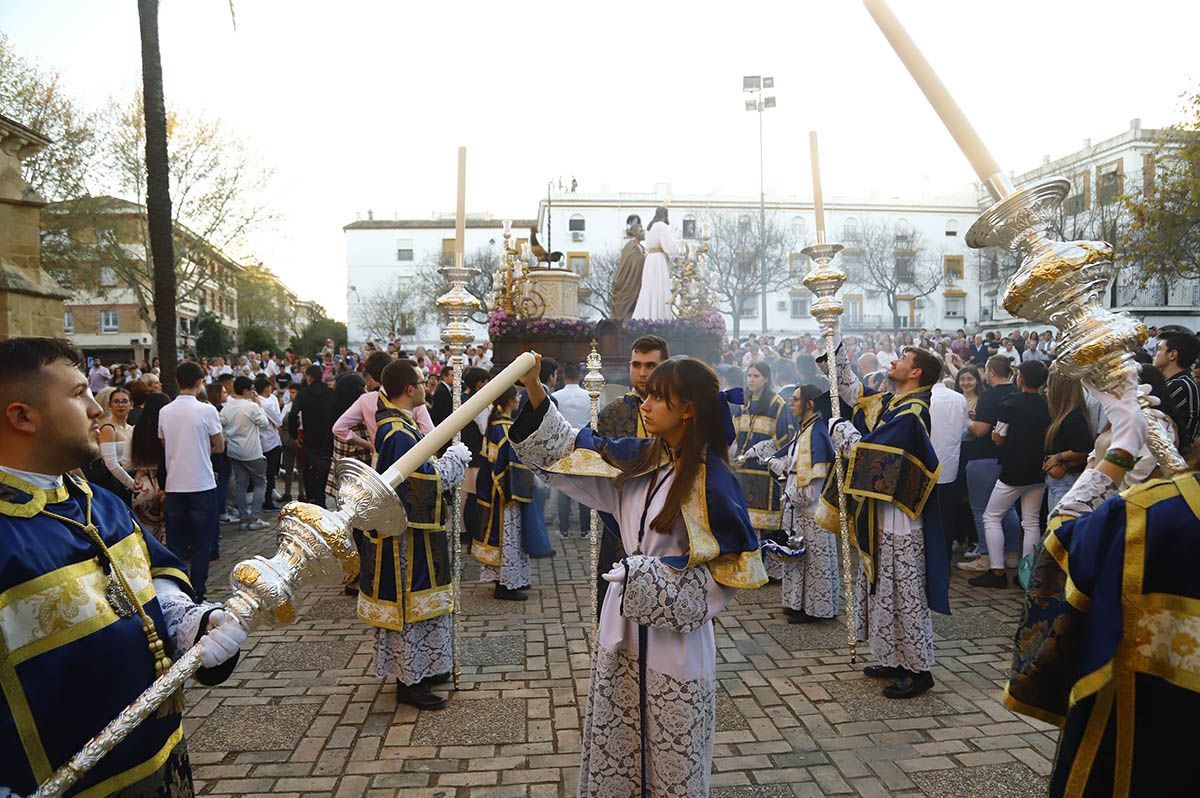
{"x":920,"y":303}
{"x":985,"y":314}
{"x":577,"y":235}
{"x":781,"y":305}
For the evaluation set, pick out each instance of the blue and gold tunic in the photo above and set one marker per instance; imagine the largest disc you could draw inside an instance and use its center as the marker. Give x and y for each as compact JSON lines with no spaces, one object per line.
{"x":68,"y":662}
{"x":1109,"y":644}
{"x":388,"y":598}
{"x":894,"y":461}
{"x":755,"y":422}
{"x":503,"y":480}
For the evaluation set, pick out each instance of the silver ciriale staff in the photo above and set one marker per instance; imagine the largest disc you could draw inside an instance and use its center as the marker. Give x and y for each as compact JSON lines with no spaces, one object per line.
{"x":457,"y":303}
{"x":825,"y":280}
{"x":315,"y":545}
{"x":593,"y":383}
{"x":1061,"y":283}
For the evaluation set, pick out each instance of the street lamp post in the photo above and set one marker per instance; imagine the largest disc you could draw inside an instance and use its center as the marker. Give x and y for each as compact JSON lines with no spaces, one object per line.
{"x":756,"y":85}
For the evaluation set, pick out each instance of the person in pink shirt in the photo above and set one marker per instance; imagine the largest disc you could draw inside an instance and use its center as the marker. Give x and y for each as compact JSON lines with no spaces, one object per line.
{"x":362,"y":412}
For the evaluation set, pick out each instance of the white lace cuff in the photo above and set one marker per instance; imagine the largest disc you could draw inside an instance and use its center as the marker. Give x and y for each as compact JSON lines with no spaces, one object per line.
{"x":845,"y":435}
{"x":451,"y":467}
{"x":849,"y":388}
{"x":1089,"y":492}
{"x":553,"y":440}
{"x":182,"y":615}
{"x":659,"y":596}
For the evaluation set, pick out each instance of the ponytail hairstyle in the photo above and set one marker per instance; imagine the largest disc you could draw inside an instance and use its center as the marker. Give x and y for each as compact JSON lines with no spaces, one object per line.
{"x":809,"y":394}
{"x":685,"y":381}
{"x":501,"y":402}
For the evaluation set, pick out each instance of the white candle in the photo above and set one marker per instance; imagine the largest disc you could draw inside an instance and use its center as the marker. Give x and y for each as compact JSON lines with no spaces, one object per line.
{"x":968,"y":140}
{"x":443,"y":433}
{"x":818,"y":201}
{"x":460,"y":217}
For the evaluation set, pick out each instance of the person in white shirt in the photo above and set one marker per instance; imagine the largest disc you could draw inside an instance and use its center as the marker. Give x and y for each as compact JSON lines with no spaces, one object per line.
{"x":98,"y":376}
{"x":947,"y":427}
{"x":243,"y":419}
{"x":1010,"y":352}
{"x":576,"y":407}
{"x":272,"y":444}
{"x":191,"y":433}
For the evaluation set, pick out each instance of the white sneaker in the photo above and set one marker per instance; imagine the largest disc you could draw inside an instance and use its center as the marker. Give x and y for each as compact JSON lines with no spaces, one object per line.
{"x":229,"y":518}
{"x":1012,"y":559}
{"x":978,"y":550}
{"x":978,"y":565}
{"x":255,"y":525}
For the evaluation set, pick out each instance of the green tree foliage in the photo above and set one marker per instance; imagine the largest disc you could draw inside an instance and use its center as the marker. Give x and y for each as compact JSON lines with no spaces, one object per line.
{"x":212,"y":338}
{"x":314,"y":336}
{"x":256,"y":339}
{"x":35,"y":98}
{"x":1163,"y":234}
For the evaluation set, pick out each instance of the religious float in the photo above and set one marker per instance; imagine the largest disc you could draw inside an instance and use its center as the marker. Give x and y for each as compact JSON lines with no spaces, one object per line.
{"x":535,"y":305}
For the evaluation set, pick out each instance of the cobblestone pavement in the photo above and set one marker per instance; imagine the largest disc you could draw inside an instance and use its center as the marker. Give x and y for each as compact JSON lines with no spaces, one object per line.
{"x":303,"y":716}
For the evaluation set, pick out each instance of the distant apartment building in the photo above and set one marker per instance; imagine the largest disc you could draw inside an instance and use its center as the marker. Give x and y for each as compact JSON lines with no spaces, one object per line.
{"x":95,"y":247}
{"x":1101,"y":174}
{"x":382,"y":251}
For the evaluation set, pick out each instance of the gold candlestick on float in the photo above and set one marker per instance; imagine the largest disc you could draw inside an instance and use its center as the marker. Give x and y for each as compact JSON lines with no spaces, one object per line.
{"x":315,"y":545}
{"x":458,"y":304}
{"x":825,"y":280}
{"x":1061,"y":283}
{"x":593,"y":383}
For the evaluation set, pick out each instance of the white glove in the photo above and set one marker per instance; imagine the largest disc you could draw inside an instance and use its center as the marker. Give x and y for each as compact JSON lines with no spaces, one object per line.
{"x":616,"y":575}
{"x":224,"y":638}
{"x":1124,"y":412}
{"x":777,"y":466}
{"x":460,"y":452}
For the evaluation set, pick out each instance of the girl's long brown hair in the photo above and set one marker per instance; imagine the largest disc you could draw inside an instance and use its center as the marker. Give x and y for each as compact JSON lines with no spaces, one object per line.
{"x":675,"y":382}
{"x":1063,"y":395}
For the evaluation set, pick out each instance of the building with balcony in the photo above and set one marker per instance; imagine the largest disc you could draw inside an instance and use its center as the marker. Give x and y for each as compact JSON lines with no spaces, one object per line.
{"x":1101,"y":175}
{"x":96,"y":248}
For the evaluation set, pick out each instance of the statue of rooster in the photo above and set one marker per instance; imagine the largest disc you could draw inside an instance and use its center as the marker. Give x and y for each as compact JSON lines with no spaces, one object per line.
{"x":539,"y":251}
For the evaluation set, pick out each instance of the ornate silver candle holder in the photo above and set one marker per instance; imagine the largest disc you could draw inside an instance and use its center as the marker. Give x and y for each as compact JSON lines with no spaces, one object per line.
{"x":593,"y":383}
{"x":825,"y":280}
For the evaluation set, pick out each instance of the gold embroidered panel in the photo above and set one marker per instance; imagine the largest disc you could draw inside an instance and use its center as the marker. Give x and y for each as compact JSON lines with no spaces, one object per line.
{"x":69,"y":603}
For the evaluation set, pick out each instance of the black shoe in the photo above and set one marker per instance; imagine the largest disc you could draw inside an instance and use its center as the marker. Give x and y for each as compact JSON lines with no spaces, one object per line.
{"x":437,"y":678}
{"x":507,"y":594}
{"x":419,"y":696}
{"x":269,"y":508}
{"x":989,"y":579}
{"x":884,"y":672}
{"x":803,"y":617}
{"x":287,"y":498}
{"x":350,"y":590}
{"x":213,"y":556}
{"x":909,"y":685}
{"x":789,"y":612}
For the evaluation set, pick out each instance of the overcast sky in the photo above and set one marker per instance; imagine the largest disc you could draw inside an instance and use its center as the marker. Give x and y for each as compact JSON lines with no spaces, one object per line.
{"x":362,"y":104}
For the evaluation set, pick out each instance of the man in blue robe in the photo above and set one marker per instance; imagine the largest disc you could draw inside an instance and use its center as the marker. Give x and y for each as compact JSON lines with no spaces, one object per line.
{"x":404,"y":587}
{"x":622,"y":418}
{"x":93,"y":608}
{"x":891,"y":475}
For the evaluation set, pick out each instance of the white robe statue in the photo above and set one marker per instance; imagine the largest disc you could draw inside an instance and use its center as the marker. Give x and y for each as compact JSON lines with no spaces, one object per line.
{"x":654,"y":300}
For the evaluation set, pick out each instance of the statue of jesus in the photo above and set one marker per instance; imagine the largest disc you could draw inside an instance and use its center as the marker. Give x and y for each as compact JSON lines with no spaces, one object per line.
{"x":628,"y":280}
{"x":654,"y":299}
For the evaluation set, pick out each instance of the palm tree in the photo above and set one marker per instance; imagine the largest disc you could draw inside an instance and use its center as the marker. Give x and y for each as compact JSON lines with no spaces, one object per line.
{"x":158,"y":194}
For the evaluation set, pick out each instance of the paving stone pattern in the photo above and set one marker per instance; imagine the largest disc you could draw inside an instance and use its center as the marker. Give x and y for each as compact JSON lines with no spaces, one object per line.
{"x":303,"y":716}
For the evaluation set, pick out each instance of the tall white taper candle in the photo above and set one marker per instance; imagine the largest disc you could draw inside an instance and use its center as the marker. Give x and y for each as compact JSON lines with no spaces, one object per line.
{"x":818,"y":200}
{"x":460,"y":218}
{"x":964,"y":134}
{"x":465,"y":414}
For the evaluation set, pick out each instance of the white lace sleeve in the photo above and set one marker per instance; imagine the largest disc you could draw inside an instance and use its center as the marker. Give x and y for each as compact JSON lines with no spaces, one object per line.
{"x":451,"y":467}
{"x":849,"y":388}
{"x":1089,"y":492}
{"x":553,"y":440}
{"x":845,"y":435}
{"x":181,"y":614}
{"x":665,"y":598}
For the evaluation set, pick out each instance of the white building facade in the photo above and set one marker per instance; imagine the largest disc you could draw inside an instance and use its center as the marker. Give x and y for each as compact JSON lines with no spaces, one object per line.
{"x":581,"y":225}
{"x":1101,"y":175}
{"x":381,"y":251}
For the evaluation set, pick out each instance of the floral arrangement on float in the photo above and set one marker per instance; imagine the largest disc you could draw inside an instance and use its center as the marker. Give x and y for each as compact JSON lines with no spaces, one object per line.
{"x":709,"y":324}
{"x":503,"y":326}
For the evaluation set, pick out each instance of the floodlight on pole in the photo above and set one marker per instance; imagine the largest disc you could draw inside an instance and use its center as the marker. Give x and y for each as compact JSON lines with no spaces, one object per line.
{"x":756,"y":84}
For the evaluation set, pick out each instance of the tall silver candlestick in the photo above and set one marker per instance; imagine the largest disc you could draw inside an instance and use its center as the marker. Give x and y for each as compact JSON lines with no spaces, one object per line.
{"x":593,"y":383}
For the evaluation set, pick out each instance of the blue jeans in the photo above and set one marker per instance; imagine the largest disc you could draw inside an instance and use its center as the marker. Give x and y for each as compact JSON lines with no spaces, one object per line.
{"x":1057,"y":488}
{"x":193,"y":520}
{"x":981,"y":480}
